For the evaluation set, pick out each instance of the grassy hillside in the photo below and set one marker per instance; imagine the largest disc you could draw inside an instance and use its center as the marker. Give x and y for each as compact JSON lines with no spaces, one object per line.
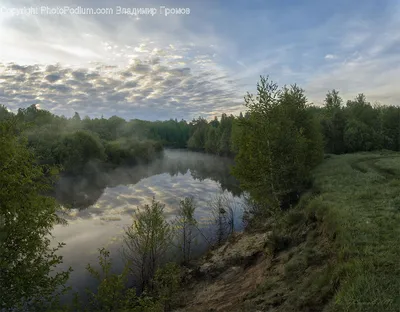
{"x":349,"y":258}
{"x":337,"y":250}
{"x":360,"y":202}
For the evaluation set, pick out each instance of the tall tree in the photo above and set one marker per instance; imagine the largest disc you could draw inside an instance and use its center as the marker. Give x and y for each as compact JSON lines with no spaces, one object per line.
{"x":4,"y":113}
{"x":199,"y":135}
{"x":278,"y":143}
{"x":211,"y":143}
{"x":27,"y":262}
{"x":334,"y":123}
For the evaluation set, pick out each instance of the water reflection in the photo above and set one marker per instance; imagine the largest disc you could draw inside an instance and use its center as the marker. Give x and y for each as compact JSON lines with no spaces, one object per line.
{"x":109,"y":206}
{"x":82,"y":192}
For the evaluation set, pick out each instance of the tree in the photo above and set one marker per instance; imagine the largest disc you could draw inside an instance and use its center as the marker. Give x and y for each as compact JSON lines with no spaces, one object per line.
{"x":278,"y":144}
{"x":146,"y":241}
{"x":334,"y":123}
{"x":27,"y":263}
{"x":4,"y":113}
{"x":34,"y":116}
{"x":214,"y":123}
{"x":199,"y":134}
{"x":219,"y":214}
{"x":358,"y":137}
{"x":77,"y":149}
{"x":112,"y":293}
{"x":363,"y":127}
{"x":167,"y":283}
{"x":225,"y":129}
{"x":211,"y":143}
{"x":391,"y":127}
{"x":186,"y":225}
{"x":333,"y":101}
{"x":76,"y":117}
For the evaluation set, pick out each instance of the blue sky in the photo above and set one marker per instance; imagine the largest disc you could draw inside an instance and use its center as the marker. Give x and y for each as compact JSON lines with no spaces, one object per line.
{"x":202,"y":63}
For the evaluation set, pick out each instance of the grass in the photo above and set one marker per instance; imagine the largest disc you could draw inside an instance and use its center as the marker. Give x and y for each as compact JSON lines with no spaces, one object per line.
{"x":339,"y":249}
{"x":362,"y":209}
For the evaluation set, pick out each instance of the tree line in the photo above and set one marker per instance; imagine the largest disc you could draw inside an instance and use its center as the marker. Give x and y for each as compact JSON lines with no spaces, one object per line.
{"x":346,"y":127}
{"x":77,"y":145}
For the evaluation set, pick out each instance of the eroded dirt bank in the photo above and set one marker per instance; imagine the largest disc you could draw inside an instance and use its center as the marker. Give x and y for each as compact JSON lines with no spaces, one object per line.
{"x":280,"y":267}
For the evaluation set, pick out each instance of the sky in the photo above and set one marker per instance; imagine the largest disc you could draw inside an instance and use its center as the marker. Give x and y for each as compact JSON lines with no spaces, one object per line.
{"x":198,"y":61}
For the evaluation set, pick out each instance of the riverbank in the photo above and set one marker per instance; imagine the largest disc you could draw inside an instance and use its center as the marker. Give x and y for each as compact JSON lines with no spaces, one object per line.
{"x":336,"y":251}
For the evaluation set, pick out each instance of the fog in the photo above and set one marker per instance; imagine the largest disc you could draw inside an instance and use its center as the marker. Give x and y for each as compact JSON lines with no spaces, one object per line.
{"x":104,"y":208}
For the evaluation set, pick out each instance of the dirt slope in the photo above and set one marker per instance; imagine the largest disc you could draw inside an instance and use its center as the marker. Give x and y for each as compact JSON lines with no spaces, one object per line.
{"x":264,"y":271}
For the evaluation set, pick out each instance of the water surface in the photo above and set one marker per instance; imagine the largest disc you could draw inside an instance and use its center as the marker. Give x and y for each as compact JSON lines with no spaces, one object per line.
{"x":106,"y":207}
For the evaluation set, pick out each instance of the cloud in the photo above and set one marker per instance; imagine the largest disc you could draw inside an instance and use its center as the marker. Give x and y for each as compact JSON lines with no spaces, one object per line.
{"x":145,"y":87}
{"x":330,"y":57}
{"x":113,"y":64}
{"x":53,"y":77}
{"x":147,"y":68}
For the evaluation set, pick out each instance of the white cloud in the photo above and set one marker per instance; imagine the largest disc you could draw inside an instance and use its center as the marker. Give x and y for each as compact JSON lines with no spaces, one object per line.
{"x":112,"y":63}
{"x":147,"y":86}
{"x":330,"y":57}
{"x":116,"y":63}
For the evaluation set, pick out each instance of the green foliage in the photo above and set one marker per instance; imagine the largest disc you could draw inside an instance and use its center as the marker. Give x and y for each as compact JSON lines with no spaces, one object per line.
{"x":27,"y":261}
{"x":333,"y":101}
{"x":77,"y":149}
{"x":146,"y":241}
{"x":294,"y":268}
{"x":333,"y":123}
{"x":213,"y":137}
{"x":167,"y":283}
{"x":125,"y":152}
{"x":364,"y":228}
{"x":358,"y":126}
{"x":278,"y":143}
{"x":186,"y":224}
{"x":145,"y":244}
{"x":74,"y":143}
{"x":171,"y":132}
{"x":112,"y":294}
{"x":33,"y":115}
{"x":198,"y":138}
{"x":358,"y":136}
{"x":45,"y":141}
{"x":4,"y":113}
{"x":211,"y":143}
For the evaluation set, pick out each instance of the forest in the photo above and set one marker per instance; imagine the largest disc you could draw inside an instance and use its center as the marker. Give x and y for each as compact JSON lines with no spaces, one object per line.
{"x":276,"y":144}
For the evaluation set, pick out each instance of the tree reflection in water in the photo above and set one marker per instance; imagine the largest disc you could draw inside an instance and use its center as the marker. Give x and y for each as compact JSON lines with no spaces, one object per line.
{"x":84,"y":190}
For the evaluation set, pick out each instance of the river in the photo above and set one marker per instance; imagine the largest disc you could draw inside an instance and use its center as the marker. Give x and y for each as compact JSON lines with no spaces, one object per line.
{"x":107,"y":207}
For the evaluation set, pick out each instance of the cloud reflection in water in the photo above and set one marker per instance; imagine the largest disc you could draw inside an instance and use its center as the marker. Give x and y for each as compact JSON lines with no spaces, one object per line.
{"x":178,"y":175}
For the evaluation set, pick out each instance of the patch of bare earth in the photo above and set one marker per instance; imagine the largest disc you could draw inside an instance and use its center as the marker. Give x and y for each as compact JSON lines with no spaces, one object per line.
{"x":227,"y":275}
{"x":288,"y":270}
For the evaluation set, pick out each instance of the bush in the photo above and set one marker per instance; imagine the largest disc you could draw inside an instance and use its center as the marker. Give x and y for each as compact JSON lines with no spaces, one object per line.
{"x":167,"y":283}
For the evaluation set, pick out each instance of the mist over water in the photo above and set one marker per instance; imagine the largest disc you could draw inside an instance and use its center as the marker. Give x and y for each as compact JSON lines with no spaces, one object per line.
{"x":107,"y":203}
